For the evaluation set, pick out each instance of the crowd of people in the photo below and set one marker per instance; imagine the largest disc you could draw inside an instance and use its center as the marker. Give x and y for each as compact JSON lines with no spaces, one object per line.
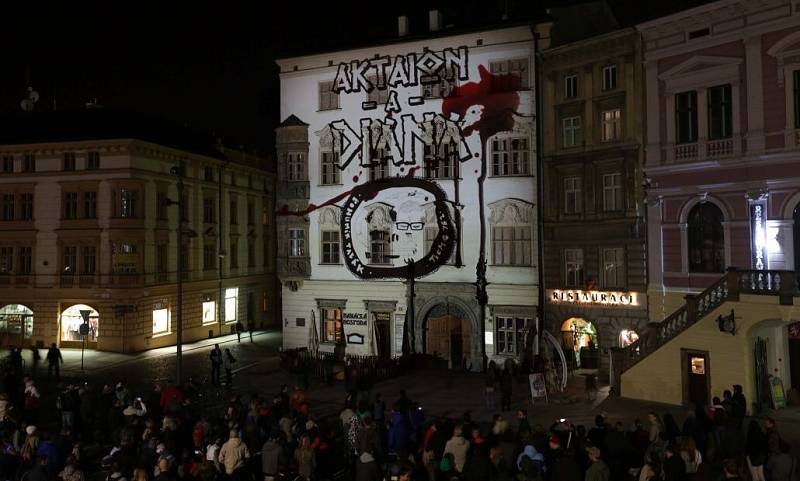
{"x":115,"y":432}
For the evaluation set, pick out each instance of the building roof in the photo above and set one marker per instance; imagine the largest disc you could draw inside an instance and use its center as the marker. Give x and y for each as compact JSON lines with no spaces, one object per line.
{"x":103,"y":124}
{"x":292,"y":121}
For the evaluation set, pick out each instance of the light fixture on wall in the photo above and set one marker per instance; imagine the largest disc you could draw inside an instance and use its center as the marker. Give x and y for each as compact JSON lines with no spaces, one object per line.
{"x":727,"y":323}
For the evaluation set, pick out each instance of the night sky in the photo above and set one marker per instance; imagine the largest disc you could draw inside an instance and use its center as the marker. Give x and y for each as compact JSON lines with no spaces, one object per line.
{"x":210,"y":64}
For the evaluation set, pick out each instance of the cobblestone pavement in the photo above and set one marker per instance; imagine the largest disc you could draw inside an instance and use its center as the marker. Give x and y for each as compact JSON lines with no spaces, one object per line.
{"x":441,"y":394}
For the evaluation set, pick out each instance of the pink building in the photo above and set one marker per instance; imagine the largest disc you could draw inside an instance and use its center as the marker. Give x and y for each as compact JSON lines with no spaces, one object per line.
{"x":722,"y":162}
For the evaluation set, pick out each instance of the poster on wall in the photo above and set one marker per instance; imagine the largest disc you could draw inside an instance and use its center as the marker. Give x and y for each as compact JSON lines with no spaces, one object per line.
{"x":538,"y":386}
{"x":778,"y":394}
{"x":399,"y":320}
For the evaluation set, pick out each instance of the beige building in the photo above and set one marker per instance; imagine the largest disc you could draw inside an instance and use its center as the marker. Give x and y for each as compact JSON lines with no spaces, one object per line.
{"x":85,"y":227}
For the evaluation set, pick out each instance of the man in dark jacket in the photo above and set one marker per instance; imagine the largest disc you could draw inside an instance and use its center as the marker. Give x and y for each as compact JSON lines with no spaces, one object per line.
{"x":367,"y":468}
{"x":54,"y":361}
{"x":674,"y":466}
{"x":272,"y":458}
{"x":478,"y":466}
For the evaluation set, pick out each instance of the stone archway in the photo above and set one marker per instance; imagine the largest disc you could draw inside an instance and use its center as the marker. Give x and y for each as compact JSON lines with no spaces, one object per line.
{"x":449,"y":324}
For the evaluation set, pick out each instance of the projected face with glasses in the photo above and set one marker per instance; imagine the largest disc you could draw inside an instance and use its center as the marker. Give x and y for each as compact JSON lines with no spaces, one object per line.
{"x":406,"y":226}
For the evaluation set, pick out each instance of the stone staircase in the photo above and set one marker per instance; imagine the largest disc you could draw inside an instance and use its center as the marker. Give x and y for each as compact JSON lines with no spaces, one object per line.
{"x":735,"y":282}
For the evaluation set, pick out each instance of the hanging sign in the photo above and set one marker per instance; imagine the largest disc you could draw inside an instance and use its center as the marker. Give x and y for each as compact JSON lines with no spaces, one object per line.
{"x":354,"y":318}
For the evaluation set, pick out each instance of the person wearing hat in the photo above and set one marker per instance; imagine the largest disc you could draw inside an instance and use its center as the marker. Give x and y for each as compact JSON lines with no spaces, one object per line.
{"x":233,"y":455}
{"x":598,"y":470}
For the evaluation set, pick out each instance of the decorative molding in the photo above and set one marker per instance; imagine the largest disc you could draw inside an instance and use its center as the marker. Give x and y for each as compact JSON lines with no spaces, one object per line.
{"x":510,"y":212}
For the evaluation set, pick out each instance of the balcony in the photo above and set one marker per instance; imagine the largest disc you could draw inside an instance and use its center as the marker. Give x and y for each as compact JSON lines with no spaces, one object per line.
{"x":705,"y":150}
{"x":5,"y":280}
{"x":125,"y":280}
{"x":67,"y":280}
{"x":294,"y":268}
{"x":87,"y":280}
{"x":22,"y":280}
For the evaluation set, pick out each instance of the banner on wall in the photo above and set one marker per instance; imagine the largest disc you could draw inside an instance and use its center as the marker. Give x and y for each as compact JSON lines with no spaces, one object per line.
{"x":538,"y":386}
{"x":758,"y":235}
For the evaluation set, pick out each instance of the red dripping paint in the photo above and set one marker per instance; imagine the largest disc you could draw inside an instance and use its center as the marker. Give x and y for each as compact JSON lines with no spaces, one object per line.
{"x":355,"y":178}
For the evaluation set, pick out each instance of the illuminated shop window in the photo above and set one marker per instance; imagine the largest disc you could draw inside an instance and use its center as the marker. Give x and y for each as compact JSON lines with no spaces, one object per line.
{"x":231,"y":303}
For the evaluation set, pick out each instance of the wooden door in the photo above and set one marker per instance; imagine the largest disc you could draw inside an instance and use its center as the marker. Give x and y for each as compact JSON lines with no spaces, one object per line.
{"x":382,"y":337}
{"x":437,"y":340}
{"x":697,"y":378}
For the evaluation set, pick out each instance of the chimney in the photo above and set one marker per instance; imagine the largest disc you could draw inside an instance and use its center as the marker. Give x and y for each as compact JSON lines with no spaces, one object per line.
{"x":434,"y":20}
{"x":402,"y":25}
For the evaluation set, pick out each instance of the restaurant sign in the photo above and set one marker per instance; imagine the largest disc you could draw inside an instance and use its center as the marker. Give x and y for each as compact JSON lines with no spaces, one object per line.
{"x":606,"y":298}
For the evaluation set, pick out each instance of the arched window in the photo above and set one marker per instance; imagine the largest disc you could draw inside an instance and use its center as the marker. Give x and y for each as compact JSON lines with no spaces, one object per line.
{"x":706,"y":239}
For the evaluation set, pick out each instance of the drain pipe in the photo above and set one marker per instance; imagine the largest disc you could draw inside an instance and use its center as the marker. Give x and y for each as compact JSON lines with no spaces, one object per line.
{"x":220,"y":251}
{"x":540,"y":308}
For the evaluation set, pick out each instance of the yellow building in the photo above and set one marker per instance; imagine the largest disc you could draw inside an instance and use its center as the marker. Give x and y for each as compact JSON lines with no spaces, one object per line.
{"x":85,"y":226}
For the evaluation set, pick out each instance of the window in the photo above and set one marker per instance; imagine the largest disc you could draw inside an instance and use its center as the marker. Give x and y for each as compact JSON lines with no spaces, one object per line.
{"x":70,"y":205}
{"x":329,"y":172}
{"x":511,"y":334}
{"x":440,"y":89}
{"x":251,"y":213}
{"x":128,"y":204}
{"x":25,"y":260}
{"x":573,"y":267}
{"x":332,"y":328}
{"x":796,"y":97}
{"x":8,"y":164}
{"x":572,"y":195}
{"x":515,"y":75}
{"x":611,"y":125}
{"x":379,"y":247}
{"x":572,"y":132}
{"x":234,"y":254}
{"x":124,"y":258}
{"x":26,"y":206}
{"x":208,"y":210}
{"x":612,"y":192}
{"x":328,"y":99}
{"x":379,"y":165}
{"x":209,"y":255}
{"x":161,"y":205}
{"x":297,"y":243}
{"x":295,"y":166}
{"x":90,"y":205}
{"x":69,"y":161}
{"x":441,"y":166}
{"x":209,"y":312}
{"x":234,"y":210}
{"x":89,"y":256}
{"x":251,"y":253}
{"x":686,"y":117}
{"x":706,"y":239}
{"x":570,"y":86}
{"x":720,"y":116}
{"x":28,"y":163}
{"x":381,"y":96}
{"x":231,"y":303}
{"x":330,"y":247}
{"x":160,"y":321}
{"x":162,"y":258}
{"x":511,"y":245}
{"x":429,"y":234}
{"x":69,"y":258}
{"x":613,"y":267}
{"x":8,"y":206}
{"x":208,"y":173}
{"x":510,"y":156}
{"x":6,"y":259}
{"x":92,"y":160}
{"x":609,"y":77}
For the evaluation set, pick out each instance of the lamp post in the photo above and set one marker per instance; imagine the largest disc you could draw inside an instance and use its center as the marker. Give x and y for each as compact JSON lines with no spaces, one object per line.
{"x":177,"y":171}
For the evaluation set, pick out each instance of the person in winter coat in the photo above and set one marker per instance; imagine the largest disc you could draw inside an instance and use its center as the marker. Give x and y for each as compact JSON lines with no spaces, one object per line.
{"x":272,"y":458}
{"x":305,"y":458}
{"x":533,"y":454}
{"x":233,"y":454}
{"x":367,"y":468}
{"x":674,"y":466}
{"x":598,"y":470}
{"x":478,"y":467}
{"x":506,"y":385}
{"x":457,"y":446}
{"x":656,"y":426}
{"x":398,"y":432}
{"x":755,"y":449}
{"x":228,"y":361}
{"x":780,"y":464}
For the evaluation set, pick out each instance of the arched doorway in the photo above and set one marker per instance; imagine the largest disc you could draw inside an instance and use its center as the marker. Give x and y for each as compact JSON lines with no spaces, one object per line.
{"x":579,"y":338}
{"x":71,"y":320}
{"x":16,"y":325}
{"x":447,"y":334}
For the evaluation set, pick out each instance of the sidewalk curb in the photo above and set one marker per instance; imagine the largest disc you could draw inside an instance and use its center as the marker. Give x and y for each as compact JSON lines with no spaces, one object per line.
{"x":138,"y":356}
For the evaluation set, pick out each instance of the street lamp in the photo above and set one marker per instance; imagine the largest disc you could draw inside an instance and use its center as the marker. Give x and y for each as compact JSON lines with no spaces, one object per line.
{"x":177,"y":171}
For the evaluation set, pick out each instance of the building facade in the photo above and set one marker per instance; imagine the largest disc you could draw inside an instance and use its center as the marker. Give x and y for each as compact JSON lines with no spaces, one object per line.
{"x":406,"y":196}
{"x":86,"y":227}
{"x":722,"y":98}
{"x":593,"y":203}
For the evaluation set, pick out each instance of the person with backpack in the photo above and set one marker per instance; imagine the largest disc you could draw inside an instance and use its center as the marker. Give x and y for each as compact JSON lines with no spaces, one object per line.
{"x":228,"y":360}
{"x":216,"y":363}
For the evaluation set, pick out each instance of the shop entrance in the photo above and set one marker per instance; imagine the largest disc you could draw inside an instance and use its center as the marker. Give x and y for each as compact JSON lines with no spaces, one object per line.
{"x":696,"y":377}
{"x":381,"y":322}
{"x":16,"y":325}
{"x":579,"y":340}
{"x":71,"y":320}
{"x":447,"y":337}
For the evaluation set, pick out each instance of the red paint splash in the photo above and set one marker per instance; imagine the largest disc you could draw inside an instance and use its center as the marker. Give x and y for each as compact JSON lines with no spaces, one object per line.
{"x":284,"y":211}
{"x":355,"y":178}
{"x":412,"y":170}
{"x":497,"y":93}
